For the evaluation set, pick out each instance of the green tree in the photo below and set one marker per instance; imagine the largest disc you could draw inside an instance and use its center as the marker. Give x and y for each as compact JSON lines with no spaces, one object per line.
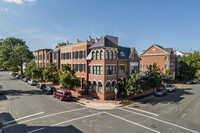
{"x":154,"y":76}
{"x":189,"y":65}
{"x":197,"y":76}
{"x":61,"y":44}
{"x":13,"y":53}
{"x":167,"y":77}
{"x":37,"y":73}
{"x":51,"y":74}
{"x":28,"y":69}
{"x":133,"y":85}
{"x":68,"y":79}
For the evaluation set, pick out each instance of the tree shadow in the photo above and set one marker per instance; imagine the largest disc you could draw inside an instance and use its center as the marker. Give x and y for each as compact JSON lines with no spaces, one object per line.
{"x":171,"y":97}
{"x":23,"y":128}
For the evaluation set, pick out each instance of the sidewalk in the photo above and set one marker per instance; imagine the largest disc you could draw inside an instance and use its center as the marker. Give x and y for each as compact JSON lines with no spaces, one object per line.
{"x":93,"y":103}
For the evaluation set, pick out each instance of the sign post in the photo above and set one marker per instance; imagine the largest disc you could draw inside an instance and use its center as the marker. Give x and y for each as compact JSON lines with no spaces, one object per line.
{"x":115,"y":90}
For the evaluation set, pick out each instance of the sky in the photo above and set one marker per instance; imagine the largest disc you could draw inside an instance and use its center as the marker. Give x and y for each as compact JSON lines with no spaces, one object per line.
{"x":137,"y":23}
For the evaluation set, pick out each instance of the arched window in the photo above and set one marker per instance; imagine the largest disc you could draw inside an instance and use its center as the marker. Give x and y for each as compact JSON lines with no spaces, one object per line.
{"x":97,"y":55}
{"x":111,"y":54}
{"x":115,"y":55}
{"x":108,"y":87}
{"x":113,"y":86}
{"x":93,"y":55}
{"x":100,"y":87}
{"x":94,"y":86}
{"x":101,"y":55}
{"x":106,"y":54}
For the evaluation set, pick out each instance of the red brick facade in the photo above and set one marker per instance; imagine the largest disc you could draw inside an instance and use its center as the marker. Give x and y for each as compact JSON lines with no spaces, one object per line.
{"x":100,"y":67}
{"x":159,"y":55}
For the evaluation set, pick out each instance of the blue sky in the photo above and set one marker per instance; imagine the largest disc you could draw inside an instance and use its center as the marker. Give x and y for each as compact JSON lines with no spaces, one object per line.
{"x":137,"y":23}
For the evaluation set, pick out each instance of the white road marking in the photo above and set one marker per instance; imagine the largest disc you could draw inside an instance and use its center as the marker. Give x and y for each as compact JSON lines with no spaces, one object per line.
{"x":161,"y":121}
{"x":68,"y":121}
{"x":23,"y":118}
{"x":36,"y":130}
{"x":45,"y":117}
{"x":143,"y":111}
{"x":132,"y":122}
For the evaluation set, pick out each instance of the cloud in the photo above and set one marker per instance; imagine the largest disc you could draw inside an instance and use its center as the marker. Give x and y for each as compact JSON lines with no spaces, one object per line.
{"x":19,"y":2}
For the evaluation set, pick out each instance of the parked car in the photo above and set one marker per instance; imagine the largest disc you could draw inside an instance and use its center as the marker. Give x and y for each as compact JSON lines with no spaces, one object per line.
{"x":1,"y":90}
{"x":62,"y":95}
{"x":32,"y":82}
{"x":161,"y":92}
{"x":49,"y":90}
{"x":22,"y":77}
{"x":11,"y":73}
{"x":40,"y":86}
{"x":188,"y":82}
{"x":194,"y":81}
{"x":14,"y":74}
{"x":171,"y":88}
{"x":25,"y":79}
{"x":18,"y":76}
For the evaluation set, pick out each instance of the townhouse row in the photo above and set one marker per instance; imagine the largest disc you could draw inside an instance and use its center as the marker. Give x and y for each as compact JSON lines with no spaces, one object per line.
{"x":101,"y":63}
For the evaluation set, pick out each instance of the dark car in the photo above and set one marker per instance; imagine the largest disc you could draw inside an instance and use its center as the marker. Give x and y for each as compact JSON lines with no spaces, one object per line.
{"x":40,"y":86}
{"x":22,"y":77}
{"x":62,"y":95}
{"x":49,"y":90}
{"x":161,"y":92}
{"x":14,"y":74}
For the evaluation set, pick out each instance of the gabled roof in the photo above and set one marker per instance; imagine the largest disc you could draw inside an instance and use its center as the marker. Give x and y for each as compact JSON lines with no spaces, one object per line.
{"x":104,"y":42}
{"x":167,"y":50}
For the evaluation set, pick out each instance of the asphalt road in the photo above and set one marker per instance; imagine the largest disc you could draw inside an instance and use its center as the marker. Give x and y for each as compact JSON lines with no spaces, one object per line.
{"x":26,"y":109}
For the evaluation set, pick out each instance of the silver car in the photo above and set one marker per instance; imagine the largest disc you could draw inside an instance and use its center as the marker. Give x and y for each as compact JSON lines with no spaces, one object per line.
{"x":171,"y":88}
{"x":32,"y":82}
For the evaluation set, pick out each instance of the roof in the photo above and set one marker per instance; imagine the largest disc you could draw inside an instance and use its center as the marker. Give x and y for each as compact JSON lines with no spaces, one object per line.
{"x":168,"y":50}
{"x":126,"y":52}
{"x":54,"y":50}
{"x":105,"y":41}
{"x":42,"y":49}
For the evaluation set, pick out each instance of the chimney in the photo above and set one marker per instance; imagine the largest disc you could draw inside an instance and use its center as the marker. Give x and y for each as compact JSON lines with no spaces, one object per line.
{"x":67,"y":42}
{"x":77,"y":41}
{"x":96,"y":40}
{"x":90,"y":38}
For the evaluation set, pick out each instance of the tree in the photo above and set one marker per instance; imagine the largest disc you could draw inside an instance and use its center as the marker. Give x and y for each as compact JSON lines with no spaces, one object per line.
{"x":154,"y":76}
{"x":68,"y":79}
{"x":28,"y":69}
{"x":197,"y":75}
{"x":61,"y":44}
{"x":51,"y":74}
{"x":37,"y":72}
{"x":167,"y":77}
{"x":13,"y":53}
{"x":189,"y":65}
{"x":133,"y":85}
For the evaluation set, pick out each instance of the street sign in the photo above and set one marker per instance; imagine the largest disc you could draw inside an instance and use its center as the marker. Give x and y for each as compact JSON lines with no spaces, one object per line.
{"x":115,"y":90}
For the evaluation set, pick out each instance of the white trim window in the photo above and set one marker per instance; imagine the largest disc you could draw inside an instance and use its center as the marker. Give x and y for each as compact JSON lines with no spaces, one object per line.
{"x":101,"y":55}
{"x":122,"y":69}
{"x":110,"y":70}
{"x":100,"y":89}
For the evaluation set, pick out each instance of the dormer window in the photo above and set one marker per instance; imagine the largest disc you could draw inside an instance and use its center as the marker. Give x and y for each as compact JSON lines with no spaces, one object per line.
{"x":122,"y":54}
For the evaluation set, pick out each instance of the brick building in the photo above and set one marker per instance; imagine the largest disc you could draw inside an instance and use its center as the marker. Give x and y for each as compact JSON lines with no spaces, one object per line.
{"x":163,"y":57}
{"x":99,"y":64}
{"x":42,"y":57}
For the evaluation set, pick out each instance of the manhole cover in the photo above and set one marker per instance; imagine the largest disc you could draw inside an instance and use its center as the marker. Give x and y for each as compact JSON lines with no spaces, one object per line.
{"x":153,"y":126}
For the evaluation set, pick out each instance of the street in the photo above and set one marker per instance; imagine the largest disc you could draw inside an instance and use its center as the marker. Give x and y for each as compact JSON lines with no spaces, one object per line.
{"x":26,"y":109}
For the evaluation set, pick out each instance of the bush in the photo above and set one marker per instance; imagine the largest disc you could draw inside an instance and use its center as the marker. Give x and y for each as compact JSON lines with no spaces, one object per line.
{"x":126,"y":102}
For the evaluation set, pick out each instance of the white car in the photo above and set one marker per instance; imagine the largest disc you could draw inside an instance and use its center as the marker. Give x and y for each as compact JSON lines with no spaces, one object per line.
{"x":11,"y":73}
{"x":171,"y":88}
{"x":32,"y":82}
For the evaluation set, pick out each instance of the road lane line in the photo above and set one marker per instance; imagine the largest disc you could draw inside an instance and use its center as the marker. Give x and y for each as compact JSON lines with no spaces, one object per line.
{"x":143,"y":111}
{"x":132,"y":122}
{"x":161,"y":121}
{"x":36,"y":130}
{"x":23,"y":118}
{"x":44,"y":117}
{"x":78,"y":118}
